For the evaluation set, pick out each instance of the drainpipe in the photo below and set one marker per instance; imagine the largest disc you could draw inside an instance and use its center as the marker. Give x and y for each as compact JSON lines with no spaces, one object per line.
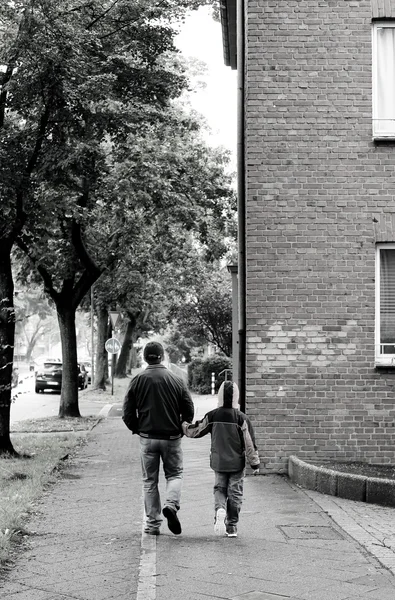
{"x":233,"y":270}
{"x":241,"y":201}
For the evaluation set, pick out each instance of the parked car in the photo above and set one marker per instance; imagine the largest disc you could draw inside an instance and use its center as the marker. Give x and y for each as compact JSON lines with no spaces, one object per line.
{"x":39,"y":363}
{"x":82,"y":376}
{"x":48,"y":376}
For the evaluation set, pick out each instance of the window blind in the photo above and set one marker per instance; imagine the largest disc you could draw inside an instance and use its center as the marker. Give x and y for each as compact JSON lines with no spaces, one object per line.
{"x":387,"y":301}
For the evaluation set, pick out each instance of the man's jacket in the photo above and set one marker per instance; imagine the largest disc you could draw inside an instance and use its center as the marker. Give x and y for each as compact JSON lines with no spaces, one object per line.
{"x":232,"y":439}
{"x":156,"y":403}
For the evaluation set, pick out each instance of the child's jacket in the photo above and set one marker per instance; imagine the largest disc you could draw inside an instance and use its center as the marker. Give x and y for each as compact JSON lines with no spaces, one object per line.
{"x":232,"y":435}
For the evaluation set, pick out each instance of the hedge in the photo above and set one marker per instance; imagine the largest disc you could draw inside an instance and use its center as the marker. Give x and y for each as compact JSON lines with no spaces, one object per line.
{"x":199,"y":373}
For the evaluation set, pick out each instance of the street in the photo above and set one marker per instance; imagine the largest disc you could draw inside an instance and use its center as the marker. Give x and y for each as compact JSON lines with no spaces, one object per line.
{"x":29,"y":405}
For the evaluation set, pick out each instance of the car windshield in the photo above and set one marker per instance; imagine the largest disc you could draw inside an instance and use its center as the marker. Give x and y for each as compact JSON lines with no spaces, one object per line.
{"x":51,"y":365}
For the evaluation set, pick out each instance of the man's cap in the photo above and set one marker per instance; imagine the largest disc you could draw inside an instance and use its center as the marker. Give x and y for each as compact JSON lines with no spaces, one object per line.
{"x":153,"y":350}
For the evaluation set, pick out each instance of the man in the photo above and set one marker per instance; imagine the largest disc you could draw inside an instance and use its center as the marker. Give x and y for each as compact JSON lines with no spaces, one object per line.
{"x":155,"y":405}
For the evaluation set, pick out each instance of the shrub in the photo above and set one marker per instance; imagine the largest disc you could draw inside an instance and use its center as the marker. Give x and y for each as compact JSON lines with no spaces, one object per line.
{"x":199,"y":373}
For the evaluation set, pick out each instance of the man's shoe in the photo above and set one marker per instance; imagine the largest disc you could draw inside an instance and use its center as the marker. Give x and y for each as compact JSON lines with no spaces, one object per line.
{"x":219,"y":523}
{"x":231,"y":531}
{"x":152,"y":530}
{"x":172,"y":520}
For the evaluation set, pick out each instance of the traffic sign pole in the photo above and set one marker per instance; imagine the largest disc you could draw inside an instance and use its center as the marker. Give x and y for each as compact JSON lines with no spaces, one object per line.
{"x":112,"y":374}
{"x":112,"y":346}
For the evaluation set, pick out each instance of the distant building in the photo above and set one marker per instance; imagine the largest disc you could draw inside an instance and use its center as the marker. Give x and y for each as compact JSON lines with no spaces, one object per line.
{"x":317,"y":224}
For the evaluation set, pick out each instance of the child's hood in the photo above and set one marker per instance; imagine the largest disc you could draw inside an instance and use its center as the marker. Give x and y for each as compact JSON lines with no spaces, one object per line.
{"x":228,"y":395}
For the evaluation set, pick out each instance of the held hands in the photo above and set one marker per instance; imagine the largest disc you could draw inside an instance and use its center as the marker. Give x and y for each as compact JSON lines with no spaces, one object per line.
{"x":184,"y":426}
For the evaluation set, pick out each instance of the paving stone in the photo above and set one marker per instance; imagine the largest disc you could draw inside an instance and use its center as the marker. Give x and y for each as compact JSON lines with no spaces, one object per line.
{"x":293,"y":544}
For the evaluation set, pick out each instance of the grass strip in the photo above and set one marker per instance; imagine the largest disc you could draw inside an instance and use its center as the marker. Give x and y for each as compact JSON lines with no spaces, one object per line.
{"x":24,"y":480}
{"x":55,"y":425}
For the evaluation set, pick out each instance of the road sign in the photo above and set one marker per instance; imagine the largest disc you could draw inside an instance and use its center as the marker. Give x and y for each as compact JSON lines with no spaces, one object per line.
{"x":114,"y":316}
{"x":113,"y":346}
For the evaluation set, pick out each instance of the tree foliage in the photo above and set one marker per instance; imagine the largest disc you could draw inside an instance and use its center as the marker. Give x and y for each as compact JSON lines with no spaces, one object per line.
{"x":175,"y":204}
{"x":180,"y":348}
{"x":207,"y":313}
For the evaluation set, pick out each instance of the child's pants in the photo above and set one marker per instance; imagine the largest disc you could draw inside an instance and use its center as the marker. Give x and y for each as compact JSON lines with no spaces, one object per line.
{"x":228,"y":494}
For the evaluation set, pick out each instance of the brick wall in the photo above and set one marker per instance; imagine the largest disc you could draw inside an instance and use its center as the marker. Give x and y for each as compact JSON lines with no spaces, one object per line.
{"x":320,"y":194}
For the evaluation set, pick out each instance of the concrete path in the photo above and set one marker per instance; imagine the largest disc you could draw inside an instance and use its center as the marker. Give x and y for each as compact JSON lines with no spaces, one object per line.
{"x":89,"y":544}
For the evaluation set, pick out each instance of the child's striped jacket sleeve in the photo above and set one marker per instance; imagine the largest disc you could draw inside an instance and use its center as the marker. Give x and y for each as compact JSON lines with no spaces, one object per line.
{"x":197,"y":429}
{"x":249,"y":444}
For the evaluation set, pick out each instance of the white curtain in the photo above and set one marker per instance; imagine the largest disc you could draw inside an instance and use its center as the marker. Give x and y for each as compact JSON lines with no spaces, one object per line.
{"x":385,"y":81}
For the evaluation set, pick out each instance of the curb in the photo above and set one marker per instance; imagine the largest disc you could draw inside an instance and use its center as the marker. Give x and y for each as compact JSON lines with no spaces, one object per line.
{"x":111,"y":410}
{"x":372,"y":490}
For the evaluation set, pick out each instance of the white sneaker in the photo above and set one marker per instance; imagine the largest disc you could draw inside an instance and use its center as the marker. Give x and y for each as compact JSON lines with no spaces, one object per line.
{"x":219,"y":524}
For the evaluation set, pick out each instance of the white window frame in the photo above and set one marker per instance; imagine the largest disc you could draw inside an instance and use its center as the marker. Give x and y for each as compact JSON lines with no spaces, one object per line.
{"x":377,"y":132}
{"x":380,"y":358}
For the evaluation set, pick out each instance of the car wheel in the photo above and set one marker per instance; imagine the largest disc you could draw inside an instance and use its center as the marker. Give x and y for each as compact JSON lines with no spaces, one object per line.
{"x":38,"y":390}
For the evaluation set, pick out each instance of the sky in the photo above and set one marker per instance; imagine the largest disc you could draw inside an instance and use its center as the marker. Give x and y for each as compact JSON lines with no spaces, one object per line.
{"x":201,"y":38}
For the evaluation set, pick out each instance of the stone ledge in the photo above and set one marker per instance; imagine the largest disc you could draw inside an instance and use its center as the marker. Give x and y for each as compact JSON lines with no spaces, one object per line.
{"x":373,"y":490}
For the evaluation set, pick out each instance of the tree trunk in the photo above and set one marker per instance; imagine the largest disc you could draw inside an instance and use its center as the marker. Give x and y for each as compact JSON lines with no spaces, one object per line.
{"x":69,"y":394}
{"x":31,"y":344}
{"x":132,"y":358}
{"x":127,"y":345}
{"x":101,"y":373}
{"x":7,"y":333}
{"x":32,"y":340}
{"x":134,"y":354}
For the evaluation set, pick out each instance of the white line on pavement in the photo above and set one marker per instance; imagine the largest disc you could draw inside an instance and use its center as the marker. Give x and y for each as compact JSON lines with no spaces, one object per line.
{"x":146,"y":589}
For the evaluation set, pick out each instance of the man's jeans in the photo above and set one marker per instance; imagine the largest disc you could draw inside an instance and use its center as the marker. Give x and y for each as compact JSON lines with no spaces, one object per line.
{"x":228,"y":494}
{"x":151,"y":451}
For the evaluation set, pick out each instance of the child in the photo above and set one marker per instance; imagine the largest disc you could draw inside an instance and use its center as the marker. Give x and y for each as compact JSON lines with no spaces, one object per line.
{"x":232,"y":440}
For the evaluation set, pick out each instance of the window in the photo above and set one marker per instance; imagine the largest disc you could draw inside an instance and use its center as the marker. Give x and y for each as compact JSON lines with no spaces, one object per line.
{"x":384,"y":79}
{"x":385,"y":304}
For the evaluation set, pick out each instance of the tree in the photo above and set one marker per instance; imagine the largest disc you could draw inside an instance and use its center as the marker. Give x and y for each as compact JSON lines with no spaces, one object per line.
{"x":75,"y":77}
{"x":177,"y":204}
{"x":208,"y":312}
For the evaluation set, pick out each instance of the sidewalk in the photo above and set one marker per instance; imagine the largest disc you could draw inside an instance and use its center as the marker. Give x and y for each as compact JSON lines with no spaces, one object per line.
{"x":89,"y":543}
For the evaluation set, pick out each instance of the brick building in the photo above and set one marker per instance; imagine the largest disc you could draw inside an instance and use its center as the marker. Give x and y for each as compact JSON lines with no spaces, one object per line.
{"x":316,"y":173}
